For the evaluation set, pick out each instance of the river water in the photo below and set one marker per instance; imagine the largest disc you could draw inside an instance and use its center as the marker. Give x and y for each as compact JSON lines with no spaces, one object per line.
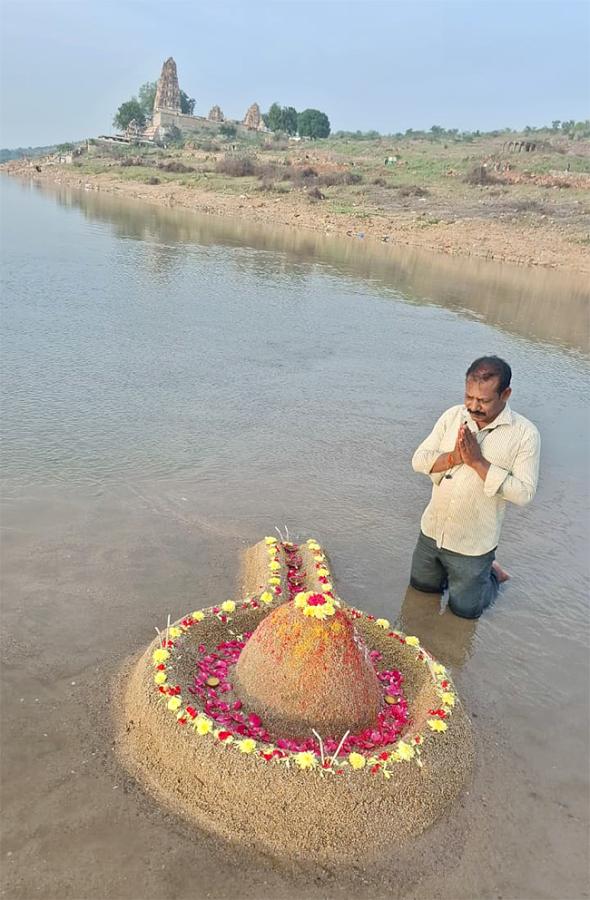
{"x":174,"y":387}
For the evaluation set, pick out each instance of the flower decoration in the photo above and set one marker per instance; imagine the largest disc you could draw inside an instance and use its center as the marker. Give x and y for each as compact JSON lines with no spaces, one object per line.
{"x":214,"y":717}
{"x":318,"y":606}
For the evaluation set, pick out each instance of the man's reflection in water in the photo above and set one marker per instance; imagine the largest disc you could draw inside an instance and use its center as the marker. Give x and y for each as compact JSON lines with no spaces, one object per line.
{"x":448,"y":637}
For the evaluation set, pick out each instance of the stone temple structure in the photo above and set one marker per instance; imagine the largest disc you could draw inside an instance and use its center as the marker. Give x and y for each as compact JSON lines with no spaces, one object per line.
{"x":216,"y":114}
{"x":253,"y":120}
{"x":168,"y":115}
{"x":168,"y":91}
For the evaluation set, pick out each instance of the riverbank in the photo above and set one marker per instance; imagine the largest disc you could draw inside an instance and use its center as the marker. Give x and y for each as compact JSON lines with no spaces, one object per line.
{"x":476,"y":202}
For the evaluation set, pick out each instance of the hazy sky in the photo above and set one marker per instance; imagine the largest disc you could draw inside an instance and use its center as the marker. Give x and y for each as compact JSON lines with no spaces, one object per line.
{"x":67,"y":64}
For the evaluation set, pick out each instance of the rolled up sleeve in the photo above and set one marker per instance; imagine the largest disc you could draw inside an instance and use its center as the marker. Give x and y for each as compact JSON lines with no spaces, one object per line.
{"x":519,"y":484}
{"x":429,"y":450}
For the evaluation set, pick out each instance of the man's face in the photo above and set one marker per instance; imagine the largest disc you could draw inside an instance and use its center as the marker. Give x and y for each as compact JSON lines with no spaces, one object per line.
{"x":482,"y":400}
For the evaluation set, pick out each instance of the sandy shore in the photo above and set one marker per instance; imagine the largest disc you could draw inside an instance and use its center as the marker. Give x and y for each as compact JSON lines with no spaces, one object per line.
{"x":544,"y":243}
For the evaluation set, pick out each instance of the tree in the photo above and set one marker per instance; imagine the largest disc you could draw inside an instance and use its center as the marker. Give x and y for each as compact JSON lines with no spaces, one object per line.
{"x":127,"y":112}
{"x":313,"y":123}
{"x":289,"y":119}
{"x":146,"y":95}
{"x":555,"y":124}
{"x":187,"y":104}
{"x":274,"y":118}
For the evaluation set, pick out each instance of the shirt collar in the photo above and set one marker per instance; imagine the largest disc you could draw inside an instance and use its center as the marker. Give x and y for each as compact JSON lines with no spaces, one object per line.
{"x":503,"y":418}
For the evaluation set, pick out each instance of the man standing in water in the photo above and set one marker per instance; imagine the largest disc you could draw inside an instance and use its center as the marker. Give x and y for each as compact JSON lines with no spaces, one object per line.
{"x":479,"y":456}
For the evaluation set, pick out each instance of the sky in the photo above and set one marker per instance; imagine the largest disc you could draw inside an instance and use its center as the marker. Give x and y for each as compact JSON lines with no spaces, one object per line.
{"x":66,"y":65}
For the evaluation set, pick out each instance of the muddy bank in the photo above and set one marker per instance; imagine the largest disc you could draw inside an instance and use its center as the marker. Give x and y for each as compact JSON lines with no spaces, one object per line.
{"x":544,"y":243}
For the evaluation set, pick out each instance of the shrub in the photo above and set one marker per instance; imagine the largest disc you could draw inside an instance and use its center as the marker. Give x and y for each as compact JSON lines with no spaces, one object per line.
{"x":175,"y":166}
{"x":236,"y":166}
{"x":329,"y":179}
{"x":152,"y":180}
{"x":480,"y":175}
{"x":315,"y":194}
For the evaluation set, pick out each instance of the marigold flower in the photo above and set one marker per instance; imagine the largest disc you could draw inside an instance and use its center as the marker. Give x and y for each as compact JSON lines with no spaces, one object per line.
{"x":160,"y":677}
{"x":323,"y":573}
{"x":404,"y":751}
{"x":174,"y":703}
{"x":198,"y":615}
{"x":266,"y":597}
{"x":228,"y":606}
{"x":274,"y":566}
{"x":382,"y":623}
{"x":270,"y":540}
{"x":174,"y":631}
{"x":313,"y":545}
{"x":160,"y":655}
{"x":437,"y":725}
{"x":448,"y":698}
{"x":412,"y":641}
{"x":247,"y":745}
{"x":438,"y":669}
{"x":356,"y":760}
{"x":203,"y":725}
{"x":305,"y":759}
{"x":274,"y":579}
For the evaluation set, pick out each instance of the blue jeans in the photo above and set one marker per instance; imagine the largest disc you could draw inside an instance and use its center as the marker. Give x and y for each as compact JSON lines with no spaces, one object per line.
{"x":472,"y":583}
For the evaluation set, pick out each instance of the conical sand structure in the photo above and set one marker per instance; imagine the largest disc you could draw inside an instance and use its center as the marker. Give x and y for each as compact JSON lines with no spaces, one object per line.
{"x":300,"y":671}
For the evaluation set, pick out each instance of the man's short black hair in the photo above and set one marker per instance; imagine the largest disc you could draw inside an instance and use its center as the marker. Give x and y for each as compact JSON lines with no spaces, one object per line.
{"x":488,"y":367}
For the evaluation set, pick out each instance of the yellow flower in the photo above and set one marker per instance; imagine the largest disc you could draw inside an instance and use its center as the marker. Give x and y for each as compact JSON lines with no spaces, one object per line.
{"x":356,"y":760}
{"x":160,"y":655}
{"x":274,"y":579}
{"x":319,"y":612}
{"x":270,"y":540}
{"x":160,"y":677}
{"x":203,"y":725}
{"x":228,"y":606}
{"x":326,"y":587}
{"x":405,"y":751}
{"x":319,"y":556}
{"x":382,"y":623}
{"x":266,"y":597}
{"x":437,"y":725}
{"x":305,"y":759}
{"x":198,"y":615}
{"x":323,"y":573}
{"x":412,"y":641}
{"x":313,"y":545}
{"x":438,"y":669}
{"x":174,"y":631}
{"x":274,"y":566}
{"x":174,"y":703}
{"x":247,"y":745}
{"x":448,"y":698}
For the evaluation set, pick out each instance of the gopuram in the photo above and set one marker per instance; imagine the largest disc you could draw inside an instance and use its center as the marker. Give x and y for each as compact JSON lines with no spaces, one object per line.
{"x":167,"y":113}
{"x":290,"y":721}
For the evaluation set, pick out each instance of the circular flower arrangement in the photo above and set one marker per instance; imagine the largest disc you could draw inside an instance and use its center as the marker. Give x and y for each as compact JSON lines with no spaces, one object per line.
{"x":216,"y":748}
{"x":213,"y":709}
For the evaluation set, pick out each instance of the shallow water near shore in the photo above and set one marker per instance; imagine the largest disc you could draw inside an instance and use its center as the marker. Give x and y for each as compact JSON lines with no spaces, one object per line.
{"x":176,"y":386}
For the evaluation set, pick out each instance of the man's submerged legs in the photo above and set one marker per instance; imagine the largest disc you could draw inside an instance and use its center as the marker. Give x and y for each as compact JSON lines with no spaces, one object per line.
{"x":473,"y":583}
{"x":428,"y":574}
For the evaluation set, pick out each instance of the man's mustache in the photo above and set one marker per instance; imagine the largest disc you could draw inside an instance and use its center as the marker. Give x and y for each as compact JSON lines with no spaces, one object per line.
{"x":476,"y":414}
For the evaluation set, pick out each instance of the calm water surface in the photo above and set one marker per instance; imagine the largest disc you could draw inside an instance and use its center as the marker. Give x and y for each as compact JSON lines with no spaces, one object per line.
{"x":173,"y":388}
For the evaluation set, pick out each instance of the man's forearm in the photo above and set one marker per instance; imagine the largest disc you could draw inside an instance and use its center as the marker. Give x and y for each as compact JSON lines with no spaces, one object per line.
{"x":481,"y":466}
{"x":445,"y":461}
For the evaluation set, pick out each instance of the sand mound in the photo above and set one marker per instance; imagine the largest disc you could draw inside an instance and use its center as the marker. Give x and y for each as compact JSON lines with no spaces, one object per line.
{"x":193,"y":736}
{"x":301,"y":672}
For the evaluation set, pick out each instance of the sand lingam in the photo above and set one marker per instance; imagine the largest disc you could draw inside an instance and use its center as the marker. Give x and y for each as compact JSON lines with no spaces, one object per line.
{"x":288,"y":716}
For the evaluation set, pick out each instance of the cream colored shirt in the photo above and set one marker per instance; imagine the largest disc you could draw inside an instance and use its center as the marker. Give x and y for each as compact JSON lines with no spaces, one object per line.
{"x":465,"y":513}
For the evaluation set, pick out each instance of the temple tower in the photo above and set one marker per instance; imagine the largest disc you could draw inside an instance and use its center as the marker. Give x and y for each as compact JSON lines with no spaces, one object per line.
{"x":168,"y":91}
